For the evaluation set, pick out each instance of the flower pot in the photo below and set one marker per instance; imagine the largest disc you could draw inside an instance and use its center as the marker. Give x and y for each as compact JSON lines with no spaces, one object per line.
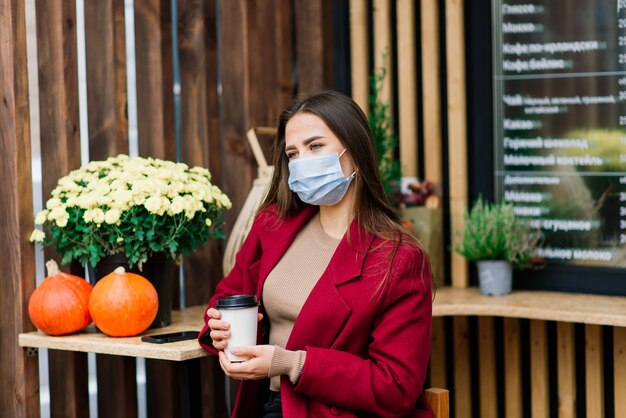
{"x":159,"y":269}
{"x":495,"y":277}
{"x":425,"y":224}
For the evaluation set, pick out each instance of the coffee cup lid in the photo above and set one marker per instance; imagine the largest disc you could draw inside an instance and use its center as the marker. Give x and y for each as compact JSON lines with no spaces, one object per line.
{"x":237,"y":301}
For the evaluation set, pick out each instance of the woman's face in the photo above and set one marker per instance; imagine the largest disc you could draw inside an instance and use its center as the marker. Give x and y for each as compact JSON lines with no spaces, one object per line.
{"x":306,"y":135}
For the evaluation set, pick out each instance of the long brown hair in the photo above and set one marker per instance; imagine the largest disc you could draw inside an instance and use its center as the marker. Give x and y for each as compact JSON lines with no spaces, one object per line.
{"x":348,"y":122}
{"x":371,"y":207}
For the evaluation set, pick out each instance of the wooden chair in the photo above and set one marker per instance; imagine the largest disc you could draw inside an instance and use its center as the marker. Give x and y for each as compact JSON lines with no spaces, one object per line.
{"x":439,"y":401}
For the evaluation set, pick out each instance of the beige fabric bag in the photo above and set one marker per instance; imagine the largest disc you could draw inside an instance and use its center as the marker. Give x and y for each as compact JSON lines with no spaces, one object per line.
{"x":260,"y":186}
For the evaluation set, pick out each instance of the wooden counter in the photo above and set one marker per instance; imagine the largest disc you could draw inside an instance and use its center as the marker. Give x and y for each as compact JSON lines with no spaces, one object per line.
{"x":533,"y":304}
{"x":93,"y":341}
{"x":548,"y":306}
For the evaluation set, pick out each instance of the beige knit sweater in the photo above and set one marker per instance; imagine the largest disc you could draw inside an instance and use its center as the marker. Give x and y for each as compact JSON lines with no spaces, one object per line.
{"x":286,"y":289}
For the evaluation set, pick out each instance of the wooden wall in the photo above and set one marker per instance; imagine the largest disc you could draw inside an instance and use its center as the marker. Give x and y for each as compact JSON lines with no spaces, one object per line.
{"x":266,"y":56}
{"x":494,"y":367}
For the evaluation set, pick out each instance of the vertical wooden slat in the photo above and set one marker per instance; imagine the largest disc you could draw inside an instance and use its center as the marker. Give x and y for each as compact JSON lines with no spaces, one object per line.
{"x":566,"y":368}
{"x":162,"y":389}
{"x":594,"y":371}
{"x":487,"y":368}
{"x":154,"y":82}
{"x":237,"y":163}
{"x":512,"y":368}
{"x":20,"y":383}
{"x":271,"y":54}
{"x":431,"y":92}
{"x":431,"y":101}
{"x":108,"y":129}
{"x":156,"y":139}
{"x":313,"y":44}
{"x":60,"y":150}
{"x":193,"y":82}
{"x":201,"y":146}
{"x":382,"y":45}
{"x":106,"y":78}
{"x":438,"y":365}
{"x":359,"y":56}
{"x":619,"y":370}
{"x":539,"y":391}
{"x":195,"y":131}
{"x":457,"y":128}
{"x":58,"y":90}
{"x":69,"y":390}
{"x":407,"y":101}
{"x":462,"y":371}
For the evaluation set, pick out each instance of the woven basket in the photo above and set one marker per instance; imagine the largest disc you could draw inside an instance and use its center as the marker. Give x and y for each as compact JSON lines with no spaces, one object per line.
{"x":260,"y":187}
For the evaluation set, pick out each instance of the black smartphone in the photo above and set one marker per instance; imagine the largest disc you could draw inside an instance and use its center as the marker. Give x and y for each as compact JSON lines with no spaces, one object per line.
{"x":171,"y":337}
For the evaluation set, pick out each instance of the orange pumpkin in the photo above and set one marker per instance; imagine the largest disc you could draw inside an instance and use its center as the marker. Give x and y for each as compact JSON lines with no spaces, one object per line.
{"x":60,"y":304}
{"x":123,"y":304}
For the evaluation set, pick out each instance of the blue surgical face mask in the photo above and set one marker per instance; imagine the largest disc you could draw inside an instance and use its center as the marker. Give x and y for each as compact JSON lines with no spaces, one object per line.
{"x":319,"y":180}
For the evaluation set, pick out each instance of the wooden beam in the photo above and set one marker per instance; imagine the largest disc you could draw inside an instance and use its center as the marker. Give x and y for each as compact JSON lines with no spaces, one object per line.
{"x":594,"y":371}
{"x":566,"y":369}
{"x":359,"y":56}
{"x":512,"y":368}
{"x":539,"y":395}
{"x":106,"y":78}
{"x":619,"y":370}
{"x":108,"y":136}
{"x":382,"y":46}
{"x":237,"y":158}
{"x":407,"y":78}
{"x":60,"y":150}
{"x":488,"y":390}
{"x":153,"y":50}
{"x":462,"y":369}
{"x":313,"y":44}
{"x":438,"y":361}
{"x":457,"y":128}
{"x":19,"y":396}
{"x":431,"y":92}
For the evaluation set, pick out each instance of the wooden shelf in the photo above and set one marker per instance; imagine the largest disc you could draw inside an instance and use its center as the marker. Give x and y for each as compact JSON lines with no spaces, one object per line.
{"x":530,"y":304}
{"x":94,"y":341}
{"x":533,"y":304}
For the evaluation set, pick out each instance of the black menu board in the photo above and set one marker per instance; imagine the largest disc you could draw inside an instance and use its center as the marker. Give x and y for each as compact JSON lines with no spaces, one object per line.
{"x":560,"y":123}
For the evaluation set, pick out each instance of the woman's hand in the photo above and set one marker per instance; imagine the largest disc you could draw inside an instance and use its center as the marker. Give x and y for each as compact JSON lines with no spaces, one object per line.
{"x":219,"y":329}
{"x":257,"y":367}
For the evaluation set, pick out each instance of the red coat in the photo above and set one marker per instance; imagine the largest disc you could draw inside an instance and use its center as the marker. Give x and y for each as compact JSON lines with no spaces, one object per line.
{"x":366,"y":351}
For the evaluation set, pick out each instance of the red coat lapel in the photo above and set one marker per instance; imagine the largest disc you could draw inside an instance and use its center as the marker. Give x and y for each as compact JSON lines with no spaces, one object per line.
{"x":278,"y":239}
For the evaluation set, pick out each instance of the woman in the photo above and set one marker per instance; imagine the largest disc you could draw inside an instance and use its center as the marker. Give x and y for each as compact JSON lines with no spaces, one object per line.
{"x":345,"y":291}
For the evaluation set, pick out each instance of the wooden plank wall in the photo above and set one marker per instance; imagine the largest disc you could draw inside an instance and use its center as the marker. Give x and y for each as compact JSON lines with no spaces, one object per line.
{"x":18,"y":372}
{"x":262,"y":67}
{"x":494,"y":367}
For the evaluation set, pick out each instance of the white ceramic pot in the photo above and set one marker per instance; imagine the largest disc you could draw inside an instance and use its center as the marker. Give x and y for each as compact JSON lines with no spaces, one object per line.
{"x":495,"y":277}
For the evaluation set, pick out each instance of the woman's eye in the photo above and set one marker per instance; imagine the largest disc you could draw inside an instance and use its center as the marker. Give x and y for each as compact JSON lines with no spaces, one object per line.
{"x":315,"y":146}
{"x":291,"y":155}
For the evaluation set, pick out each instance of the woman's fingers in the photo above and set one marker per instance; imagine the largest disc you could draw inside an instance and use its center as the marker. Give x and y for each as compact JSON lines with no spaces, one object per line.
{"x":214,"y":313}
{"x":219,"y":335}
{"x":220,"y":345}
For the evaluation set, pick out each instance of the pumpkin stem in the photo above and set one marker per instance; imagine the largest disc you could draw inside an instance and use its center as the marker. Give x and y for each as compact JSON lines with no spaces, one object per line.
{"x":120,"y":270}
{"x":52,"y":267}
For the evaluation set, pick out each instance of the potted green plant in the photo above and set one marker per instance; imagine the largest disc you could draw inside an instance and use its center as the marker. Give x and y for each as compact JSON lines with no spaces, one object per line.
{"x":140,"y":213}
{"x":494,"y":237}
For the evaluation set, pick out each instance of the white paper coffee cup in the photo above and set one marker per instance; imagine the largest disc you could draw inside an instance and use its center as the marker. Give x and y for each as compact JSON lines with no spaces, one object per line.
{"x":241,"y":312}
